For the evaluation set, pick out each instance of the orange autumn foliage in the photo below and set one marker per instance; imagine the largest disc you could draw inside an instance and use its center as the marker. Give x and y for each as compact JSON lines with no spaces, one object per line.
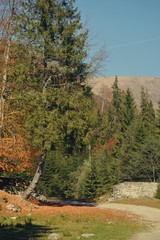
{"x":106,"y":147}
{"x":13,"y":56}
{"x":111,"y":143}
{"x":73,"y":212}
{"x":15,"y":150}
{"x":16,"y":154}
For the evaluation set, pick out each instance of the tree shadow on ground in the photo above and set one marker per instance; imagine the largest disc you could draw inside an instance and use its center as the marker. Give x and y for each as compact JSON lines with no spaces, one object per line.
{"x":64,"y":202}
{"x":24,"y":232}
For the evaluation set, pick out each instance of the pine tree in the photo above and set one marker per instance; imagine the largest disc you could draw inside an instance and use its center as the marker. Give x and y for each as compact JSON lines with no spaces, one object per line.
{"x":158,"y":115}
{"x":130,"y":151}
{"x":139,"y":151}
{"x":54,"y":30}
{"x":150,"y":164}
{"x":53,"y":34}
{"x":129,"y":109}
{"x":147,"y":111}
{"x":90,"y":184}
{"x":117,"y":104}
{"x":111,"y":126}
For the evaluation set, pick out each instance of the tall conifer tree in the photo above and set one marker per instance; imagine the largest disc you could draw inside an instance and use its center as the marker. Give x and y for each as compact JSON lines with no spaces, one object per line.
{"x":158,"y":115}
{"x":53,"y":34}
{"x":147,"y":111}
{"x":128,"y":110}
{"x":117,"y":105}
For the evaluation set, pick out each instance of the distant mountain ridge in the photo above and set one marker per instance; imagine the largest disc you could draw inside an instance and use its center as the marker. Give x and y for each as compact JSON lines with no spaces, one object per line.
{"x":101,"y":84}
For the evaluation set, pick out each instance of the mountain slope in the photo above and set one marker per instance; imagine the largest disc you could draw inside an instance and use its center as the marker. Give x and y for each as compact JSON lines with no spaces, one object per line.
{"x":100,"y":85}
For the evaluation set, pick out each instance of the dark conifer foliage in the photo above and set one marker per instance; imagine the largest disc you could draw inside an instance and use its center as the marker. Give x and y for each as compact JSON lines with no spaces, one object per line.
{"x":81,"y":149}
{"x":122,"y":150}
{"x":52,"y":35}
{"x":147,"y":111}
{"x":54,"y":30}
{"x":129,"y":109}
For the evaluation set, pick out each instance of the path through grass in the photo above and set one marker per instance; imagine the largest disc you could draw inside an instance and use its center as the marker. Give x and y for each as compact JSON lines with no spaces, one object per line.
{"x":70,"y":224}
{"x":148,"y":202}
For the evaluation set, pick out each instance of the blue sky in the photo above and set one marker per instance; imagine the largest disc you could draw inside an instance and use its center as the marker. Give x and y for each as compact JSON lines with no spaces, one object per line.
{"x":130,"y":32}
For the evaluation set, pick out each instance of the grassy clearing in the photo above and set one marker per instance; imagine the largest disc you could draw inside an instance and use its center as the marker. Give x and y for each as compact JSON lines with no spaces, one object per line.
{"x":68,"y":221}
{"x":148,"y":202}
{"x":68,"y":227}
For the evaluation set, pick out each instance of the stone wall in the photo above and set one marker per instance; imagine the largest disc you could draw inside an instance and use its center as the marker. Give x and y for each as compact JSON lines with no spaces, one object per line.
{"x":134,"y":190}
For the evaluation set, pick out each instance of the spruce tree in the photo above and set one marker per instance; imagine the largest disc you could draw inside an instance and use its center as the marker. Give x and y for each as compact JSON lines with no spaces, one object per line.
{"x":117,"y":104}
{"x":129,"y":109}
{"x":54,"y":30}
{"x":158,"y":115}
{"x":139,"y":151}
{"x":130,"y":151}
{"x":111,"y":126}
{"x":150,"y":164}
{"x":147,"y":111}
{"x":52,"y":33}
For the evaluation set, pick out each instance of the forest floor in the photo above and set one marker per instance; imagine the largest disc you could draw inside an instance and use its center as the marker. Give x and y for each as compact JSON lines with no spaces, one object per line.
{"x":33,"y":220}
{"x":147,"y":213}
{"x":126,"y":216}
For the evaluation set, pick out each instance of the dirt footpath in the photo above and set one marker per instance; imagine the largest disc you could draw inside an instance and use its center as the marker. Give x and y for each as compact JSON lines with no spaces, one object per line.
{"x":147,"y":213}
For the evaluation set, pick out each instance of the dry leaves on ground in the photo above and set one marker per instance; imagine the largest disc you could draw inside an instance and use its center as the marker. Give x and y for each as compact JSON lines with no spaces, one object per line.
{"x":34,"y":208}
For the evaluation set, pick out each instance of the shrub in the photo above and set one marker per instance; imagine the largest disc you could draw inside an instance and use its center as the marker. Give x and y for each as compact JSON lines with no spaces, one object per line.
{"x":5,"y":199}
{"x":158,"y":192}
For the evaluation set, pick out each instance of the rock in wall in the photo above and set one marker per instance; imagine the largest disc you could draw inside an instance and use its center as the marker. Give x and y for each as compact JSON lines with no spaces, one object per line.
{"x":134,"y":190}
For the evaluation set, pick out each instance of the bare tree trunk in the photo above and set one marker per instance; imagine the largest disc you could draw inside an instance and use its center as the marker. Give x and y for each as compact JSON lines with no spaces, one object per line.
{"x":89,"y":152}
{"x":8,"y":37}
{"x":30,"y":189}
{"x":4,"y":82}
{"x":153,"y":170}
{"x":102,"y":106}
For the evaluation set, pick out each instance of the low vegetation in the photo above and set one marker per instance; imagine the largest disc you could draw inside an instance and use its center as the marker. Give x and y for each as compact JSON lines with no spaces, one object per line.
{"x":49,"y":118}
{"x":50,"y":121}
{"x":104,"y":225}
{"x":158,"y":192}
{"x":148,"y":202}
{"x":38,"y":222}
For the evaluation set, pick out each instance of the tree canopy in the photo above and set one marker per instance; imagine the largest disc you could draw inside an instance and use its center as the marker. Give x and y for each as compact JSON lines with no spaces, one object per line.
{"x":50,"y":120}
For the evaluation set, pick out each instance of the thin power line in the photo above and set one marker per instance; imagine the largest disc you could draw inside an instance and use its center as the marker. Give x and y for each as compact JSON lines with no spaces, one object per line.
{"x":134,"y":43}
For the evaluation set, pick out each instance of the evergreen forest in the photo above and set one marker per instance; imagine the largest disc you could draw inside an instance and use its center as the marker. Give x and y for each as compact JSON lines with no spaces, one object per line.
{"x":53,"y":130}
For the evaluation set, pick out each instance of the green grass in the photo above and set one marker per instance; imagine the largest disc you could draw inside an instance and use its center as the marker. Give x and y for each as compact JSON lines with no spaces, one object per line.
{"x":148,"y":202}
{"x":39,"y":228}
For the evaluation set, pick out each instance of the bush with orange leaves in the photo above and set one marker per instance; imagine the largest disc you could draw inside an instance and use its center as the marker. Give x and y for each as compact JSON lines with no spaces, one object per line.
{"x":15,"y":154}
{"x":15,"y":151}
